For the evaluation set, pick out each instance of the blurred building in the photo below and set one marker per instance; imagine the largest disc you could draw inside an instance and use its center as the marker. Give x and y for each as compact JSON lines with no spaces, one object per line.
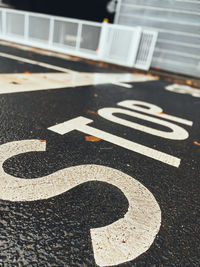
{"x":178,"y":25}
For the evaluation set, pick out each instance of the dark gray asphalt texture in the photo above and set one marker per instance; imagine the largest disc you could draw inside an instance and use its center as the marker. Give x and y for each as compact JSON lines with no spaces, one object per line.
{"x":55,"y":232}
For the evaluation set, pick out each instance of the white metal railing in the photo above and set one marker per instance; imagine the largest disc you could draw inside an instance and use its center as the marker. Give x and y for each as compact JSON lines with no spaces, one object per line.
{"x":122,"y":45}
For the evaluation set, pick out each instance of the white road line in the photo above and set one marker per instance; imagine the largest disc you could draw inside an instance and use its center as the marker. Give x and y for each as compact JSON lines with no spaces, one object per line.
{"x":119,"y":242}
{"x":126,"y":85}
{"x":20,"y":82}
{"x":34,"y":62}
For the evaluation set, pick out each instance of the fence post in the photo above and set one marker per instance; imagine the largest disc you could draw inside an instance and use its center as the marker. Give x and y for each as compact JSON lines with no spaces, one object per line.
{"x":26,"y":27}
{"x":51,"y":31}
{"x":78,"y":38}
{"x":3,"y":21}
{"x":135,"y":43}
{"x":102,"y":40}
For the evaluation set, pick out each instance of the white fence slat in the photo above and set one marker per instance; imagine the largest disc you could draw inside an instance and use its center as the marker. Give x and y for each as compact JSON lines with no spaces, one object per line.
{"x":106,"y":42}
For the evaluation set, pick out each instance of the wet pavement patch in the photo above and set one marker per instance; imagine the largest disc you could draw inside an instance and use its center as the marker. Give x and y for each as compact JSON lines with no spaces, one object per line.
{"x":52,"y":227}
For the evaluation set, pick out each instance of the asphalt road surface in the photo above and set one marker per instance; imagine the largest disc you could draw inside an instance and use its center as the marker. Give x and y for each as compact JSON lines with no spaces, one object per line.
{"x":97,"y":167}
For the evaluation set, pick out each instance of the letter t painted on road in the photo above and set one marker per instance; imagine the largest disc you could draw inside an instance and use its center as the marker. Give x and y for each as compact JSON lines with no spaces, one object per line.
{"x":80,"y":124}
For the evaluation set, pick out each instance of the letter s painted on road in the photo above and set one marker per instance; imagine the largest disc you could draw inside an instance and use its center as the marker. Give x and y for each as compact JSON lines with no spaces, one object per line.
{"x":119,"y":242}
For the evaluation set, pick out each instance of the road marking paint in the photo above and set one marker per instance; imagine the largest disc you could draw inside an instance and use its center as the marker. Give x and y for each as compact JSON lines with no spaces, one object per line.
{"x":20,"y":82}
{"x":80,"y":124}
{"x":177,"y":133}
{"x":126,"y":85}
{"x":149,"y":108}
{"x":119,"y":242}
{"x":37,"y":50}
{"x":183,"y":89}
{"x":34,"y":62}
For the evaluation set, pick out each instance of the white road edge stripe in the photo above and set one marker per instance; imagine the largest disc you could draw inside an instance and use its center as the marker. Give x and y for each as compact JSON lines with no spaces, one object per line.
{"x":34,"y":62}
